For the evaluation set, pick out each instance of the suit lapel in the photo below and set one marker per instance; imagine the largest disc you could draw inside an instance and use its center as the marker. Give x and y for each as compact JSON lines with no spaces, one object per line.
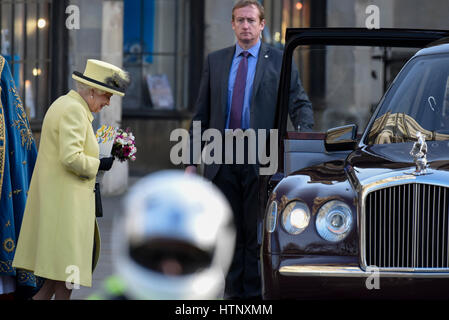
{"x":260,"y":69}
{"x":225,"y":69}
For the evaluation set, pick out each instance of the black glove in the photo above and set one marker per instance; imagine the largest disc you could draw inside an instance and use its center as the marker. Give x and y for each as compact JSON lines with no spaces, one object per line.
{"x":106,"y":163}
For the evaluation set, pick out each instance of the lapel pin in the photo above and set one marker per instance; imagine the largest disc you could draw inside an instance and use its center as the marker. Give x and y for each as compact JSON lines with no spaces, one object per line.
{"x":266,"y":56}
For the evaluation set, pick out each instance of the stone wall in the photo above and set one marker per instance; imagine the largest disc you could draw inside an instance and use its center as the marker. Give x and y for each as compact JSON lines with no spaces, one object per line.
{"x":218,"y":33}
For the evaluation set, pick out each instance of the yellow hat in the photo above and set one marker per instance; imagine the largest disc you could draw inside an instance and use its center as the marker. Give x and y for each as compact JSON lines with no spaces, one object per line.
{"x":103,"y":76}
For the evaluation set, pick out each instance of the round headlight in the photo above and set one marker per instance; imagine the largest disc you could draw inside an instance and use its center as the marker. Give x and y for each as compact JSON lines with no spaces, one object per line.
{"x":334,"y":221}
{"x":295,"y":217}
{"x":270,"y":221}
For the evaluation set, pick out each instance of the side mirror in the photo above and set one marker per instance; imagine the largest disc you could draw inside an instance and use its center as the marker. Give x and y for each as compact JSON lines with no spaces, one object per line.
{"x":341,"y":138}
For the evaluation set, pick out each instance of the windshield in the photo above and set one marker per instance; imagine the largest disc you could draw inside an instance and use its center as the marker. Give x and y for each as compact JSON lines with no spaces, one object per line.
{"x":418,"y":101}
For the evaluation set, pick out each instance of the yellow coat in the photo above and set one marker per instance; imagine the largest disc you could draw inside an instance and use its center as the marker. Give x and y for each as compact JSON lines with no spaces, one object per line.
{"x":59,"y":224}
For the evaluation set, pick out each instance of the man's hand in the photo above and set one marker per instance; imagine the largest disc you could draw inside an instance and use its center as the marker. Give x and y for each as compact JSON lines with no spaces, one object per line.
{"x":190,"y":170}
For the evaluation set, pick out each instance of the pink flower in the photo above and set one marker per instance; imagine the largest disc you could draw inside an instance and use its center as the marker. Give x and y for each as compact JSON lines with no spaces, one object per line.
{"x":123,"y":147}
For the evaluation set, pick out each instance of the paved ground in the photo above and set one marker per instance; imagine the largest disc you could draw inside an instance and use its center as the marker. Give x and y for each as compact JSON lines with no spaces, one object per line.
{"x":111,"y":208}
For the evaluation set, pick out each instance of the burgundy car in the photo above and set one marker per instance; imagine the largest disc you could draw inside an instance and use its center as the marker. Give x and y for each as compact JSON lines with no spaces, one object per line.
{"x":364,"y":214}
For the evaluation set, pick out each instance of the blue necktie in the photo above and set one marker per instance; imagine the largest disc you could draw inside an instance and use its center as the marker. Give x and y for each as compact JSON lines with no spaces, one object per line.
{"x":238,"y":93}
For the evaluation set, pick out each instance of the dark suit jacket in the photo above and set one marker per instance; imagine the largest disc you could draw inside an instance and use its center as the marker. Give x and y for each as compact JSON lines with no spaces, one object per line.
{"x":211,"y":104}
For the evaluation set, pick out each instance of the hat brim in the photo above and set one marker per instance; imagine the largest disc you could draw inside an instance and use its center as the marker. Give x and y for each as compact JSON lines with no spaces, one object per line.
{"x":96,"y":85}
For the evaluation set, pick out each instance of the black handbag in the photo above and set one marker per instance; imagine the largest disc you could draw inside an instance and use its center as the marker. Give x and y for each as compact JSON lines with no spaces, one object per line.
{"x":98,"y":206}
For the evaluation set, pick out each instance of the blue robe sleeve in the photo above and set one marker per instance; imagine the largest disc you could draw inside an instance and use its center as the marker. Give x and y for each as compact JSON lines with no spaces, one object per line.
{"x":17,"y":158}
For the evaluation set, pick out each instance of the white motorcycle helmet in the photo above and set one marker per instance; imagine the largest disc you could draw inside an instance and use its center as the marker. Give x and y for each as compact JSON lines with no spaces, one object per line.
{"x":175,"y":240}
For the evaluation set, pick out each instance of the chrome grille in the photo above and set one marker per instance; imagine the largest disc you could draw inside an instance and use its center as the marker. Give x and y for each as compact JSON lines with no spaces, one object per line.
{"x":406,"y":226}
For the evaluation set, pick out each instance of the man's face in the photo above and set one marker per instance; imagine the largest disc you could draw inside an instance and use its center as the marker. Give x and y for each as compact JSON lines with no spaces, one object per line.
{"x":247,"y":25}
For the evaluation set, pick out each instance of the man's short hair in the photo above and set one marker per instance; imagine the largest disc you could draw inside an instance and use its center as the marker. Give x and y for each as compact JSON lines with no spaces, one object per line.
{"x":247,"y":3}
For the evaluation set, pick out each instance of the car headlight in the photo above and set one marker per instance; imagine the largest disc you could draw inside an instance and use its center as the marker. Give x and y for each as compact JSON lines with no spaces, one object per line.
{"x":270,"y":221}
{"x":334,"y":221}
{"x":295,"y":217}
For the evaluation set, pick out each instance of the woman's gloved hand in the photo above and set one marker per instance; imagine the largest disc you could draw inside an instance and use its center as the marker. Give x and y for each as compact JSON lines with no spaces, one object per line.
{"x":106,"y":163}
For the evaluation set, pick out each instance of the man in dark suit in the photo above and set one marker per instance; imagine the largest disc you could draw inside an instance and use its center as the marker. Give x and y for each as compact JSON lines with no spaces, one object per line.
{"x":238,"y":90}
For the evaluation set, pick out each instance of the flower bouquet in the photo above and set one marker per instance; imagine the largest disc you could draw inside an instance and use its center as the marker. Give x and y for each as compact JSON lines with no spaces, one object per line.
{"x":124,"y":147}
{"x":115,"y":142}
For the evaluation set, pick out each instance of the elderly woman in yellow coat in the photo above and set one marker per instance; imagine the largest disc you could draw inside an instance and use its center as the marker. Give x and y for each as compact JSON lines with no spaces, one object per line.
{"x":56,"y":240}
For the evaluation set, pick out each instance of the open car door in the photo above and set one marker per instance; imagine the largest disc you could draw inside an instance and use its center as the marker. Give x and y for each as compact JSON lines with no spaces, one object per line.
{"x":345,"y":72}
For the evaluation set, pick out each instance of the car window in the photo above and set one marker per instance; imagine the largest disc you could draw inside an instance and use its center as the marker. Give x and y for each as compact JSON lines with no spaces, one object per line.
{"x":346,"y":83}
{"x":416,"y":102}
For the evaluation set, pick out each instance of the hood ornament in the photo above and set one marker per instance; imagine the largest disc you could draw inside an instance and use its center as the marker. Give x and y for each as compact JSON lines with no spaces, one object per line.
{"x":419,"y":152}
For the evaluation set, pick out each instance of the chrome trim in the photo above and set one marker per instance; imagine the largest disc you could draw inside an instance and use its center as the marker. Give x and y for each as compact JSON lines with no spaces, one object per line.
{"x":395,"y":178}
{"x":270,"y":213}
{"x":332,"y":271}
{"x":416,"y":224}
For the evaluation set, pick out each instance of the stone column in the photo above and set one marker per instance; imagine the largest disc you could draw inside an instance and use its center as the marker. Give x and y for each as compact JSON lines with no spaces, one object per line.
{"x":115,"y":181}
{"x":218,"y":33}
{"x":85,"y":42}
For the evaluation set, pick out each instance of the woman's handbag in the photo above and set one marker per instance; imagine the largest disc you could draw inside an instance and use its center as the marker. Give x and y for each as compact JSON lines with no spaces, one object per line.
{"x":98,"y":206}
